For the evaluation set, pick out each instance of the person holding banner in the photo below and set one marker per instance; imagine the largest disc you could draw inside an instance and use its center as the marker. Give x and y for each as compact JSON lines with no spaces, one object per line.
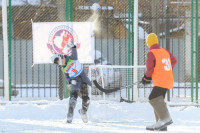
{"x":77,"y":79}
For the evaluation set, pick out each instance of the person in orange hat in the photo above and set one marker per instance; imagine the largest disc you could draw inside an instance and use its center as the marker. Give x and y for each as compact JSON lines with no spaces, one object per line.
{"x":159,"y":64}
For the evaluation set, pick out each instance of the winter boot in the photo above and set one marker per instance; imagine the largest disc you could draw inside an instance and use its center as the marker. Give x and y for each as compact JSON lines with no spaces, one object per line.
{"x":72,"y":104}
{"x":162,"y":112}
{"x":151,"y":127}
{"x":83,"y":110}
{"x":162,"y":129}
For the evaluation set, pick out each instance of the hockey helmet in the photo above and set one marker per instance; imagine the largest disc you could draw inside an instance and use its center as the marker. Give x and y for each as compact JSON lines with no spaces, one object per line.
{"x":56,"y":56}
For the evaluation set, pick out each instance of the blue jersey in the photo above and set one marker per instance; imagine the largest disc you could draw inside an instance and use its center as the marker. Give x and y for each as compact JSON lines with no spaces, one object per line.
{"x":73,"y":68}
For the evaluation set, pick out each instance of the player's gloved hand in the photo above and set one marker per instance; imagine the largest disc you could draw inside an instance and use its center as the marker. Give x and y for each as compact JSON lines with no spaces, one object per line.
{"x":70,"y":45}
{"x":74,"y":82}
{"x":146,"y":80}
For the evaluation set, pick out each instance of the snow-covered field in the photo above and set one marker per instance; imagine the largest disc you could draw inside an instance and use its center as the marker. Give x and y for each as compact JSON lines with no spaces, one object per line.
{"x":104,"y":117}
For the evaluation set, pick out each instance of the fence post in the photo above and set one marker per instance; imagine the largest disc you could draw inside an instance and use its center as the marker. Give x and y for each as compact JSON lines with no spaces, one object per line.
{"x":10,"y":49}
{"x":197,"y":52}
{"x":62,"y":79}
{"x":129,"y":45}
{"x":167,"y":35}
{"x":67,"y":94}
{"x":5,"y":44}
{"x":71,"y":10}
{"x":192,"y":52}
{"x":135,"y":48}
{"x":132,"y":37}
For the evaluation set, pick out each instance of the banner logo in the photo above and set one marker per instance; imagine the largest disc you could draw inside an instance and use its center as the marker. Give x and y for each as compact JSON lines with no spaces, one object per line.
{"x":60,"y":37}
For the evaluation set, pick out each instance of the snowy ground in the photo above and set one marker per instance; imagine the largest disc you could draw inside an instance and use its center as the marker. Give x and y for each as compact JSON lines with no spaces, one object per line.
{"x":104,"y":117}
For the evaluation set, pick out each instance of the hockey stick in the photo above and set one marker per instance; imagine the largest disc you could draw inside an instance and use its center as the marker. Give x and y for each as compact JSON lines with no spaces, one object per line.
{"x":114,"y":89}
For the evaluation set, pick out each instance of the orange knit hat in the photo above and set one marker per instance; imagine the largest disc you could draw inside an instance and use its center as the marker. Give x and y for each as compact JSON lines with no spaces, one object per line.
{"x":151,"y":39}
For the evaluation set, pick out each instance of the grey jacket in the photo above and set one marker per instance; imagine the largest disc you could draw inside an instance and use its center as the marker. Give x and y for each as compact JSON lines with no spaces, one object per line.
{"x":82,"y":77}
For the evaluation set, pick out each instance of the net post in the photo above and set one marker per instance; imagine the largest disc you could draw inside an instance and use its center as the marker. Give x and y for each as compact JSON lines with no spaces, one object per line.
{"x":135,"y":86}
{"x":101,"y":71}
{"x":90,"y":88}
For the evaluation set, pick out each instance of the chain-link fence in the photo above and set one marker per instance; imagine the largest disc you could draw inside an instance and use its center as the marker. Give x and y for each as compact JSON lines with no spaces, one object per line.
{"x":114,"y":40}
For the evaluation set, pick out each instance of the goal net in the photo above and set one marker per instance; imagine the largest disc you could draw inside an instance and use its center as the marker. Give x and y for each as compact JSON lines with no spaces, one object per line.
{"x":114,"y":82}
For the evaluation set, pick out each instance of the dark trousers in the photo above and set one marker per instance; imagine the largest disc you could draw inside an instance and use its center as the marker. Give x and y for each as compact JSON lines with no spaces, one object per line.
{"x":82,"y":93}
{"x":157,"y":91}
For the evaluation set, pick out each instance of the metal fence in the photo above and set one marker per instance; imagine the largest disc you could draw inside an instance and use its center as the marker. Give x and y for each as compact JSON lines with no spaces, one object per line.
{"x":171,"y":20}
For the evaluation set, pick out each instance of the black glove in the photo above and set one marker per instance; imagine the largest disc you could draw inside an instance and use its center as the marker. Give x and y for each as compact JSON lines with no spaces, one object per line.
{"x":146,"y":80}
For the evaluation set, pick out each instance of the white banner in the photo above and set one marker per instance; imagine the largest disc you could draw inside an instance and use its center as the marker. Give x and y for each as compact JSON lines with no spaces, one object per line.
{"x":52,"y":37}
